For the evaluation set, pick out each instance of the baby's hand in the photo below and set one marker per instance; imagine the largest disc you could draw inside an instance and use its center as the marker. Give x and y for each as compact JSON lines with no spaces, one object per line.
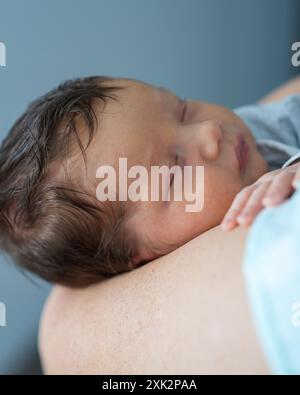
{"x":269,"y":190}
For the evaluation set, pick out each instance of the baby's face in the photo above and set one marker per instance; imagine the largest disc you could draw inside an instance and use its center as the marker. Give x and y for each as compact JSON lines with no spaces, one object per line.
{"x":146,"y":126}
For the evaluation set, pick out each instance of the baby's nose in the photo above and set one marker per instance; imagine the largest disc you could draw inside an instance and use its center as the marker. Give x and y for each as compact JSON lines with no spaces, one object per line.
{"x":211,"y":135}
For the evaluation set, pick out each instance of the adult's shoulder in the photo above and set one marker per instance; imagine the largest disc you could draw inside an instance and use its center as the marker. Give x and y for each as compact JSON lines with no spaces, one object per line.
{"x":290,"y":87}
{"x":178,"y":314}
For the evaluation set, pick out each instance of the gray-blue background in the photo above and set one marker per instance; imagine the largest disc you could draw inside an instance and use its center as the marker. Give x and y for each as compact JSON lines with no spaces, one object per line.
{"x":224,"y":51}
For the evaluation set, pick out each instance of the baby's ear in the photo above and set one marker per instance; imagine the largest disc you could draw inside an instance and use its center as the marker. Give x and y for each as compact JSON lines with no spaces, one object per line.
{"x":135,"y":261}
{"x":141,"y":258}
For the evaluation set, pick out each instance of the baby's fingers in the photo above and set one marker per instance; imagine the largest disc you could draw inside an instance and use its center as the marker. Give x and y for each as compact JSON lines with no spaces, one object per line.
{"x":254,"y":205}
{"x":280,"y":189}
{"x":230,"y":220}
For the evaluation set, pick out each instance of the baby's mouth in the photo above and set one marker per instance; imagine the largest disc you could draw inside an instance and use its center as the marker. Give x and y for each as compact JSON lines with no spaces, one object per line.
{"x":239,"y":143}
{"x":242,"y":151}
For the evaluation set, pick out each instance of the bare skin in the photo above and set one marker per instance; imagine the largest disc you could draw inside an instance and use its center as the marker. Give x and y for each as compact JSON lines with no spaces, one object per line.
{"x":175,"y":315}
{"x":289,"y":88}
{"x":186,"y":312}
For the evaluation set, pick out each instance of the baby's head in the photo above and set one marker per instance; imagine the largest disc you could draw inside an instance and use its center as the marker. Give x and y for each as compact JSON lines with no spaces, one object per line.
{"x":51,"y":221}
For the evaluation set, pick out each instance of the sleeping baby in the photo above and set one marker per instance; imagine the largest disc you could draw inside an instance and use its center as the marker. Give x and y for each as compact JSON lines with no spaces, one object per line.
{"x":53,"y":224}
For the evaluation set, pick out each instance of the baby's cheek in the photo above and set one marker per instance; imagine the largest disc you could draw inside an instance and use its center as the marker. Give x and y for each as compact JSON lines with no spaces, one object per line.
{"x":220,"y":188}
{"x":220,"y":180}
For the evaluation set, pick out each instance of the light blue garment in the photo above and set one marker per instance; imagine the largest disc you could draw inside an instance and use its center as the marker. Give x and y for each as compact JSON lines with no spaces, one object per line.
{"x":276,"y":128}
{"x":272,"y":259}
{"x":272,"y":274}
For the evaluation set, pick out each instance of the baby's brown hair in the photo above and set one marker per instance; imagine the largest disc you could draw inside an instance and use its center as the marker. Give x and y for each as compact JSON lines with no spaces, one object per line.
{"x":47,"y":225}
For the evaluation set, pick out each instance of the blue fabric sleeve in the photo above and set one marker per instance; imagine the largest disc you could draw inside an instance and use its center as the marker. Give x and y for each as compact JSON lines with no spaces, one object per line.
{"x":279,"y":121}
{"x":272,"y":275}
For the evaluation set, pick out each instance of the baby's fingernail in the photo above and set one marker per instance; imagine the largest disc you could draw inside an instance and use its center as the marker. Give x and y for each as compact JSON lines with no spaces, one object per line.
{"x":267,"y":200}
{"x":271,"y":200}
{"x":296,"y":183}
{"x":226,"y":223}
{"x":243,"y":218}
